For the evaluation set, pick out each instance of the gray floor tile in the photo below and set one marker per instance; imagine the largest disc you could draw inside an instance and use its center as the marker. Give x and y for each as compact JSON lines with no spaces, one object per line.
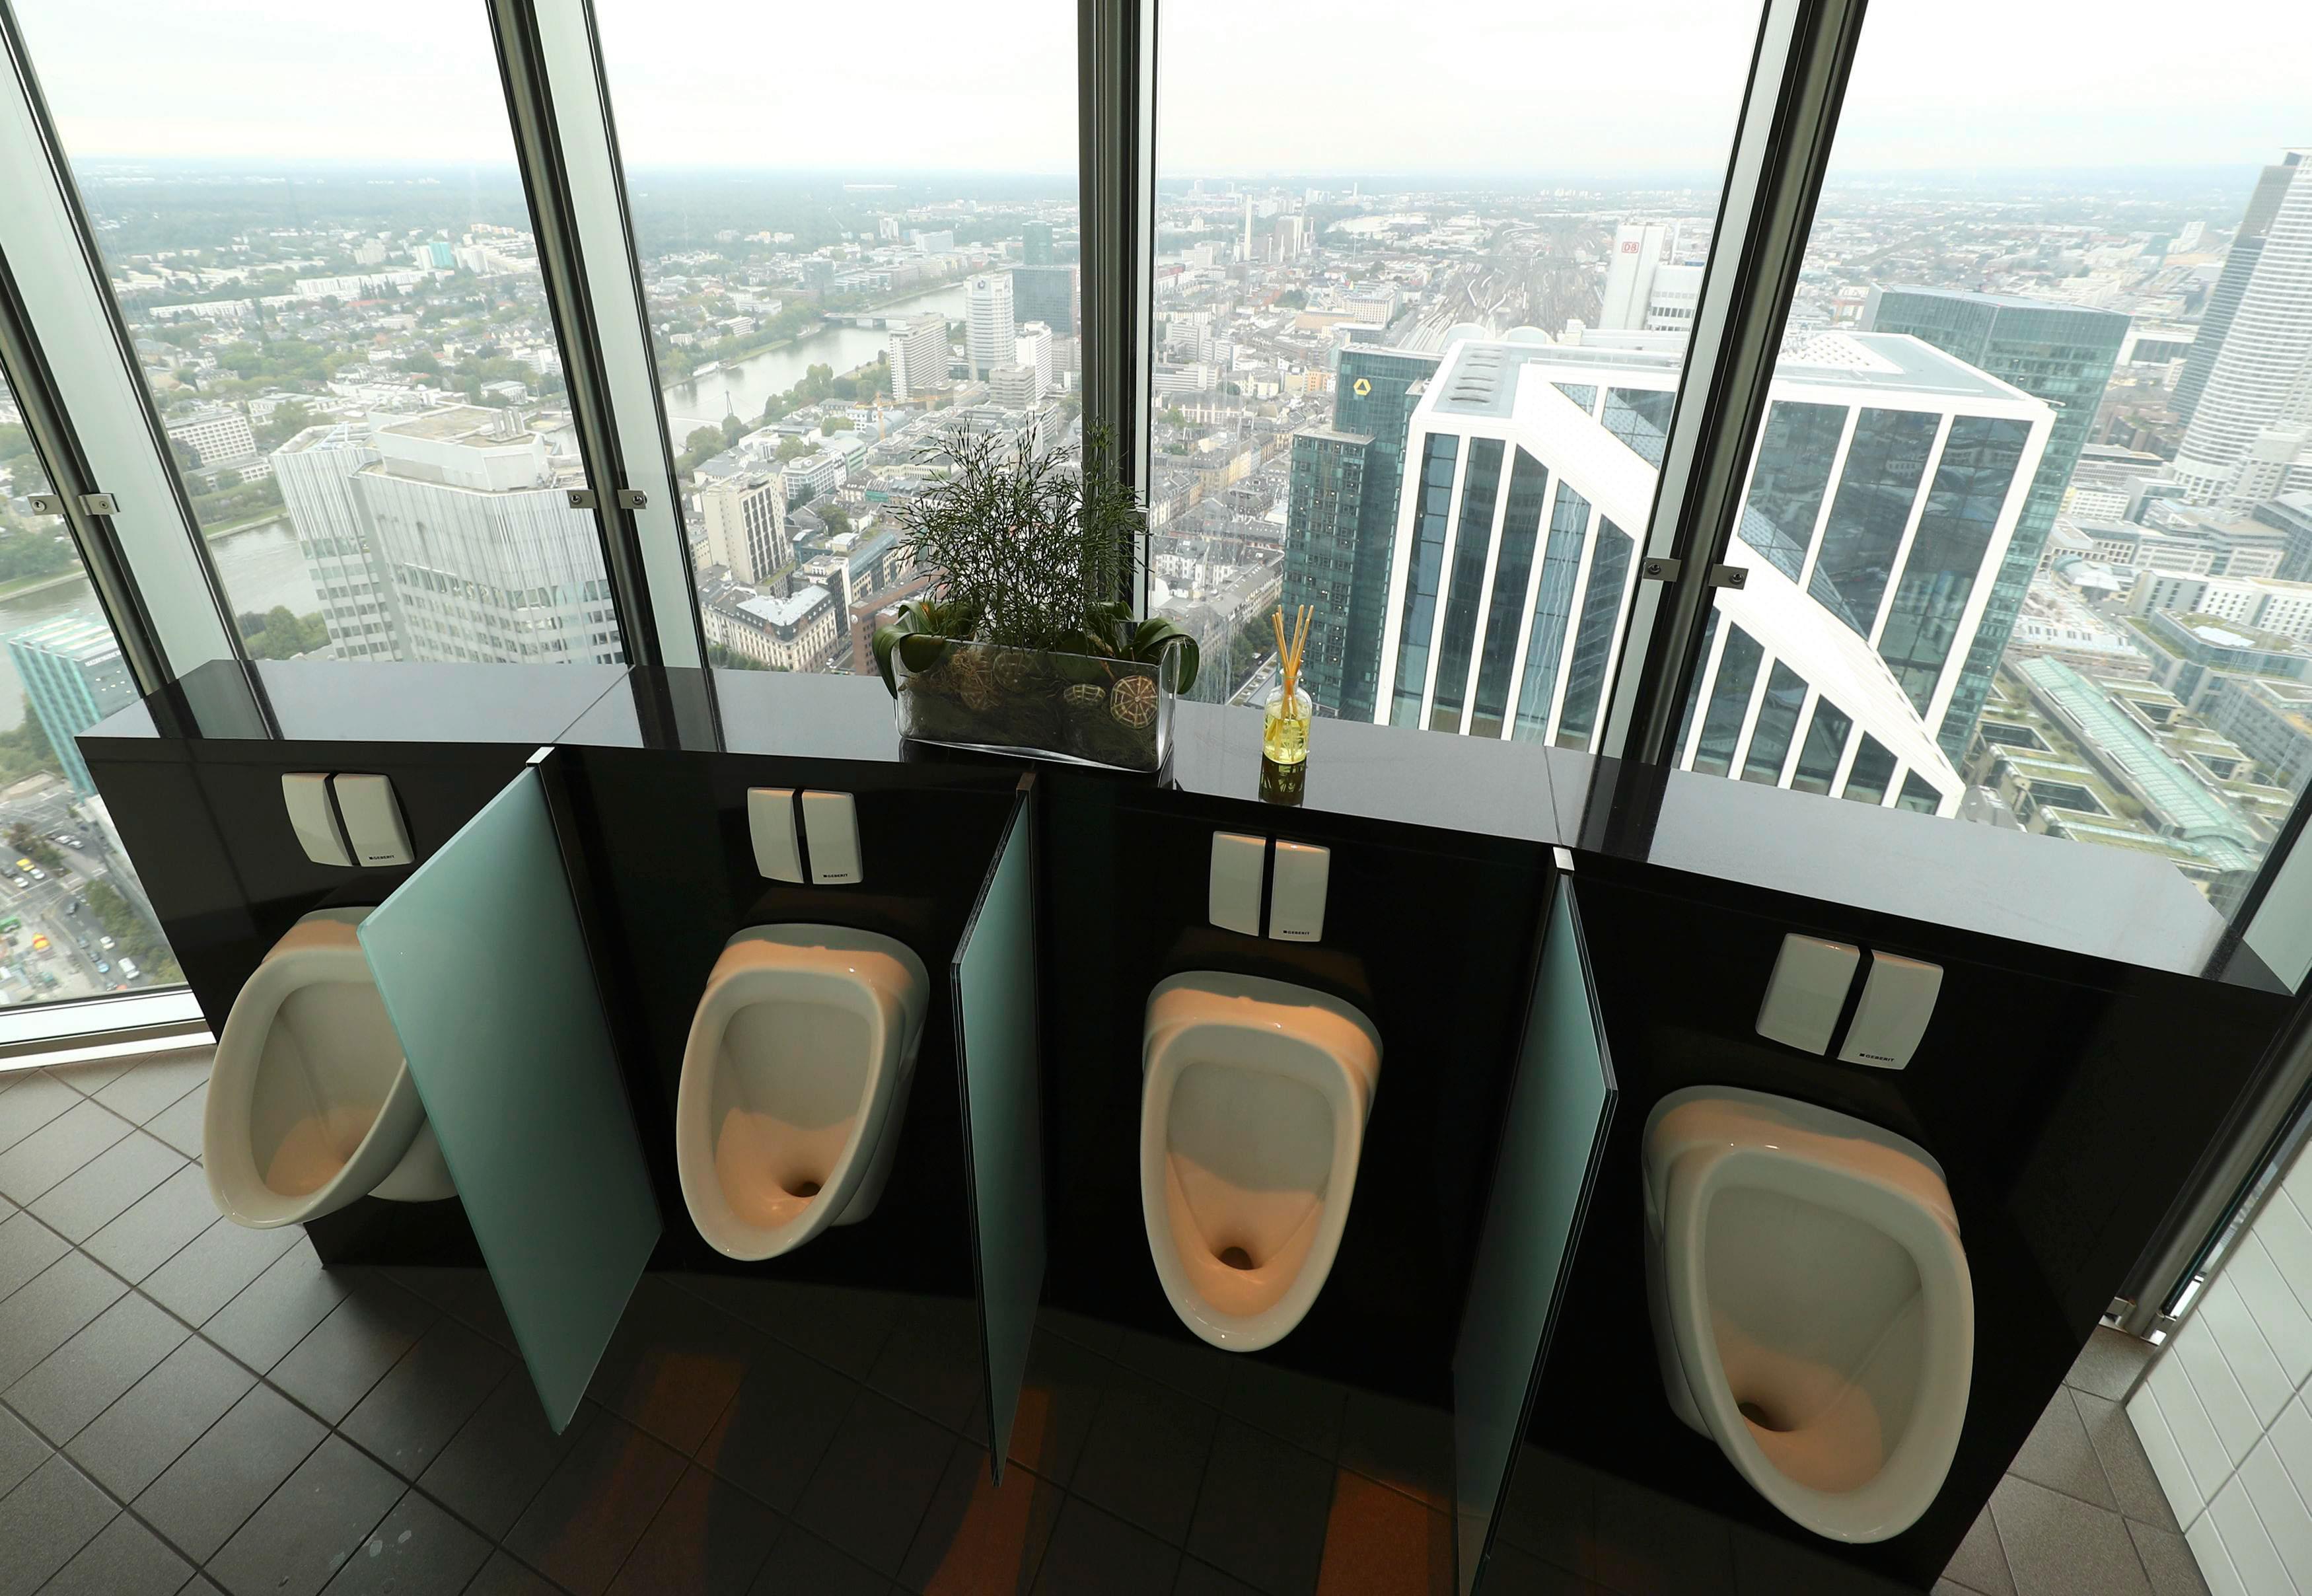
{"x":93,"y":1370}
{"x":1097,"y":1554}
{"x":408,"y":1417}
{"x":418,"y":1550}
{"x":125,"y":1559}
{"x":709,"y":1539}
{"x":1289,"y":1405}
{"x":1405,"y":1445}
{"x":1261,"y":1514}
{"x":977,"y":1536}
{"x":596,"y":1505}
{"x":58,"y":1149}
{"x":2168,"y":1562}
{"x":1057,"y":1400}
{"x":1179,"y":1361}
{"x":1377,"y":1538}
{"x":496,"y":1464}
{"x":210,"y":1492}
{"x":466,"y":1296}
{"x":1145,"y":1456}
{"x":30,"y":1104}
{"x":2136,"y":1490}
{"x":200,"y":1584}
{"x":279,"y":1308}
{"x":1646,"y":1542}
{"x":770,"y":1439}
{"x":45,"y":1522}
{"x":930,"y":1362}
{"x":180,"y":1124}
{"x":1202,"y":1579}
{"x":1514,"y":1570}
{"x":144,"y":1091}
{"x":802,"y":1565}
{"x":2058,"y":1455}
{"x":309,"y":1528}
{"x":50,"y":1310}
{"x":91,"y":1078}
{"x":503,"y":1576}
{"x":22,"y":1450}
{"x":877,"y":1478}
{"x":85,"y":1201}
{"x":844,"y":1329}
{"x":333,"y":1368}
{"x":1980,"y":1563}
{"x":2108,"y":1364}
{"x":154,"y":1227}
{"x":132,"y":1441}
{"x":674,"y":1365}
{"x":213,"y":1267}
{"x":27,"y":1246}
{"x":2060,"y":1546}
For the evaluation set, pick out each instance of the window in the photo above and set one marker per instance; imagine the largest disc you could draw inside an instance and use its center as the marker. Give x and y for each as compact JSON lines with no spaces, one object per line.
{"x":74,"y":919}
{"x":333,"y":293}
{"x":835,"y":269}
{"x":1413,"y":249}
{"x":2028,"y":506}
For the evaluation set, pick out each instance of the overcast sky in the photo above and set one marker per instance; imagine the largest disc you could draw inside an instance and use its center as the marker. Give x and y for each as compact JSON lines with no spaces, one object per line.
{"x":1571,"y":88}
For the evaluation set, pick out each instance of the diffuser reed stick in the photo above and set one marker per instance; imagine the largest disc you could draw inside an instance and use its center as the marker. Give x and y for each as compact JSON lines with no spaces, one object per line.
{"x":1284,"y":730}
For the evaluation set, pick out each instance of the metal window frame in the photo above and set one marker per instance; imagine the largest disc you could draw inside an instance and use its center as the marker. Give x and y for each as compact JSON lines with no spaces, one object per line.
{"x":1116,"y":210}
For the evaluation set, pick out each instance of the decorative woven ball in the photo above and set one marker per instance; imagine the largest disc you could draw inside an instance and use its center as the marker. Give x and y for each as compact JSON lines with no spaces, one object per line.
{"x":1013,"y":666}
{"x":1082,"y":695}
{"x":975,"y":678}
{"x":1132,"y":701}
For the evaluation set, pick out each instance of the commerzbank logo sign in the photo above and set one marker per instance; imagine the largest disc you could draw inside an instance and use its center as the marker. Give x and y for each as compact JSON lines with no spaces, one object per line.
{"x":1363,"y":387}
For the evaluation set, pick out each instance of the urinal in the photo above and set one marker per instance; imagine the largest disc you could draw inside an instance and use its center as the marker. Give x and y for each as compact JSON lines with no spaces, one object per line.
{"x":1253,"y":1103}
{"x":795,"y":1084}
{"x":311,"y":1104}
{"x":1812,"y":1308}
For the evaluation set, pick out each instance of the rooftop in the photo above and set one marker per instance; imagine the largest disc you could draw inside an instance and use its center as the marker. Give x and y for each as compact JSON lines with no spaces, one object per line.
{"x":788,"y":612}
{"x":2113,"y":735}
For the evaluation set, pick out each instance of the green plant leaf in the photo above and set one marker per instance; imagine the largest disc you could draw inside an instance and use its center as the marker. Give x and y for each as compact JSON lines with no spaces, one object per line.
{"x":1156,"y":634}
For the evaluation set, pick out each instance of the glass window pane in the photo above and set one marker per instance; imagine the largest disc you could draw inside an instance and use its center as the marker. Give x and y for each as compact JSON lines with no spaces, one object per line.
{"x":2062,"y":580}
{"x":1473,"y":546}
{"x":833,"y":279}
{"x":334,"y":293}
{"x":1419,"y":616}
{"x":1777,"y":717}
{"x":1333,"y":283}
{"x":74,"y":919}
{"x":1729,"y":703}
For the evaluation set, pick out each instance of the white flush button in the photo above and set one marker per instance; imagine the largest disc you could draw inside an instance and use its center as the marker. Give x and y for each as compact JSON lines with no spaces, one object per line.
{"x":1805,"y":991}
{"x":1234,"y":903}
{"x":830,"y":822}
{"x":1898,"y":1002}
{"x":771,"y":824}
{"x":1296,"y":901}
{"x":314,"y":818}
{"x":372,"y":820}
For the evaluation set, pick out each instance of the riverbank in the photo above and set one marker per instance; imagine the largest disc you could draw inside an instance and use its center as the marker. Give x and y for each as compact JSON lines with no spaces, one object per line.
{"x":825,"y":322}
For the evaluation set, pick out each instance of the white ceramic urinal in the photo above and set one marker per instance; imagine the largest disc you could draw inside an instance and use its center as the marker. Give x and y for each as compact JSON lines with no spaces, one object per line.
{"x":1252,"y":1114}
{"x":795,"y":1084}
{"x":311,"y":1104}
{"x":1811,"y":1305}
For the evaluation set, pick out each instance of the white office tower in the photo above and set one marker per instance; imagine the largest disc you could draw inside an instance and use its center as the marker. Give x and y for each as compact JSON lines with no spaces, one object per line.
{"x":464,"y":514}
{"x":1033,"y":349}
{"x":989,"y":330}
{"x":1630,"y":274}
{"x":2251,"y":434}
{"x":1885,"y":489}
{"x":919,"y":357}
{"x":316,"y":470}
{"x":747,"y":527}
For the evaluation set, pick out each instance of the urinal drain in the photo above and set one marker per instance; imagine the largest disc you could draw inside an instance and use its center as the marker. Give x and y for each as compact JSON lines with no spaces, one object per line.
{"x":1759,"y":1416}
{"x":1236,"y":1258}
{"x":804,"y":1188}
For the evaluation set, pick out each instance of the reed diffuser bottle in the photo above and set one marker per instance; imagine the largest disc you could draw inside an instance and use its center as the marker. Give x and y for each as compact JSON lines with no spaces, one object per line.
{"x":1284,"y":727}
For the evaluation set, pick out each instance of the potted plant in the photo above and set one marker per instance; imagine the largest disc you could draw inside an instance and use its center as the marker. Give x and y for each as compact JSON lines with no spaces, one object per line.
{"x":1026,"y":643}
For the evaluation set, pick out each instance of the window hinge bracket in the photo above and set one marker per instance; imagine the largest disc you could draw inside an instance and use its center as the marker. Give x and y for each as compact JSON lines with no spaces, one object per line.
{"x":633,"y":498}
{"x":47,"y":503}
{"x":582,"y":498}
{"x":1733,"y":576}
{"x":1660,"y":568}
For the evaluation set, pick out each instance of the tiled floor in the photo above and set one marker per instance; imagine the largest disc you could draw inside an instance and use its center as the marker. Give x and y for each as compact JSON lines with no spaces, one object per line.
{"x":178,"y":1394}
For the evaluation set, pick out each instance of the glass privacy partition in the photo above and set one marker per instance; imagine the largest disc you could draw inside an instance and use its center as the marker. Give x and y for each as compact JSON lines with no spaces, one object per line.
{"x":485,"y":975}
{"x":1561,"y":1105}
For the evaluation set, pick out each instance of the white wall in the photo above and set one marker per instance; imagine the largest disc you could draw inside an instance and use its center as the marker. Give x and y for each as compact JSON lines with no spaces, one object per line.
{"x":2225,"y":1415}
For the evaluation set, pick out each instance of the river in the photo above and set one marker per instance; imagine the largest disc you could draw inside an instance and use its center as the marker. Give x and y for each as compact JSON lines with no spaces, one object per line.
{"x":745,"y":386}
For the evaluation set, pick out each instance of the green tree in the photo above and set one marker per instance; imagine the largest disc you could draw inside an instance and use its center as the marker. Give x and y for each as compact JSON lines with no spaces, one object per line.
{"x":829,"y":426}
{"x":791,"y":448}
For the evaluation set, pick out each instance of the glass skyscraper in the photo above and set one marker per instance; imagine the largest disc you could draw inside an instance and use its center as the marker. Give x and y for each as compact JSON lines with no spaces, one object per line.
{"x":74,"y":677}
{"x":2061,"y":354}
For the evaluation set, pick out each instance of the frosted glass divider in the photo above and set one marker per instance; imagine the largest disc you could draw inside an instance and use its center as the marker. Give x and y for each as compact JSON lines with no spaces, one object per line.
{"x":994,"y":978}
{"x":483,"y":968}
{"x":1553,"y":1138}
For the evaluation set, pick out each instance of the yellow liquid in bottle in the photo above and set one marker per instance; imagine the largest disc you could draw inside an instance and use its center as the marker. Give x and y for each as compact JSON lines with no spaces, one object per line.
{"x":1284,"y":737}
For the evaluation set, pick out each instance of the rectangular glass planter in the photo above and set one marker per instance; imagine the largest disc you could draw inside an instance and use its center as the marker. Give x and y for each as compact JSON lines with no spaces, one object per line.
{"x":1072,"y":707}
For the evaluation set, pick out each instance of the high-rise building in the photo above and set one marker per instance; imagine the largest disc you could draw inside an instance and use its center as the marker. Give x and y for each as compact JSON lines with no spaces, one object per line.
{"x":1047,"y":293}
{"x":72,"y":677}
{"x":1033,"y":349}
{"x":1013,"y":386}
{"x":464,"y":514}
{"x":745,"y":522}
{"x":989,"y":324}
{"x":1830,"y":671}
{"x":316,"y":470}
{"x":919,"y":357}
{"x":1036,"y":244}
{"x":1343,"y":566}
{"x":2231,"y":284}
{"x":2061,"y":354}
{"x":2251,"y":432}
